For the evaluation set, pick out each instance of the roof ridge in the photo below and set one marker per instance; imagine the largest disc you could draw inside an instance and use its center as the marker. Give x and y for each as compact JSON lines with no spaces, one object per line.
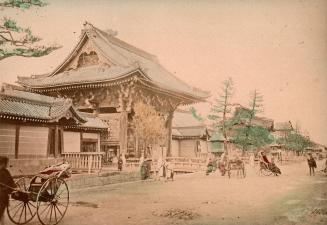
{"x":126,"y":45}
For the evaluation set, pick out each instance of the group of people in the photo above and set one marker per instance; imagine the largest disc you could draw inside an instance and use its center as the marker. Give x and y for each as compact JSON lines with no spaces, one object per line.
{"x":222,"y":164}
{"x":163,"y":169}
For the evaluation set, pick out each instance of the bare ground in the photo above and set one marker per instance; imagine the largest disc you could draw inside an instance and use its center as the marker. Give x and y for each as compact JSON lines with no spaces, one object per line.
{"x":294,"y":198}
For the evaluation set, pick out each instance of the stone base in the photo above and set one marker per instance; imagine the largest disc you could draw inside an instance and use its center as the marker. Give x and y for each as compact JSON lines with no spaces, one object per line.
{"x":79,"y":181}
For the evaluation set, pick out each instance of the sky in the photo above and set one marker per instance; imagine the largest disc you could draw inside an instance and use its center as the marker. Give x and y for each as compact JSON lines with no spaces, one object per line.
{"x":277,"y":47}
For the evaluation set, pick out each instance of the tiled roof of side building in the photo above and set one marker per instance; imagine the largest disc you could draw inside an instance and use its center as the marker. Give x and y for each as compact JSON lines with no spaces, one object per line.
{"x":92,"y":121}
{"x":126,"y":59}
{"x":283,"y":126}
{"x":17,"y":104}
{"x":185,"y":119}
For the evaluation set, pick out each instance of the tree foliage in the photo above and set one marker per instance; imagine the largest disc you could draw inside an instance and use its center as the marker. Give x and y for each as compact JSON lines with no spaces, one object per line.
{"x":18,"y":41}
{"x":24,"y":4}
{"x":295,"y":140}
{"x":195,"y":114}
{"x":250,"y":135}
{"x":149,"y":124}
{"x":222,"y":108}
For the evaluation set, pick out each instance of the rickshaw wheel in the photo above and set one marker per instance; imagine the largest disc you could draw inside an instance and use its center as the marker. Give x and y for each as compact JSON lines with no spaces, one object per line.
{"x":20,"y":209}
{"x":52,"y":201}
{"x":265,"y":172}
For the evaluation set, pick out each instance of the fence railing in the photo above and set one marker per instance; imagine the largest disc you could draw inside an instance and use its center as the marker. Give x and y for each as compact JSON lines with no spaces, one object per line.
{"x":180,"y":164}
{"x":90,"y":161}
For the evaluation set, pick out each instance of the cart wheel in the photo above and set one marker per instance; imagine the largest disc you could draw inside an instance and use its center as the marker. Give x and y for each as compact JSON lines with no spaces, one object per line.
{"x":20,"y":209}
{"x":265,"y":172}
{"x":52,"y":201}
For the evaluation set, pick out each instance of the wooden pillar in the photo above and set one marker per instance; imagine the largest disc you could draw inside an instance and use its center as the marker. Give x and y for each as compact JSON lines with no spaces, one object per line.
{"x":17,"y":141}
{"x":123,"y":131}
{"x":56,"y":143}
{"x":169,"y":136}
{"x":81,"y":141}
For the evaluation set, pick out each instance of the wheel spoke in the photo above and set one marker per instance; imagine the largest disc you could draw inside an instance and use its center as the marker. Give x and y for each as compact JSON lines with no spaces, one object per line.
{"x":21,"y":214}
{"x":17,"y":210}
{"x":29,"y":208}
{"x":46,"y":215}
{"x":50,"y":213}
{"x":59,"y":210}
{"x":32,"y":205}
{"x":44,"y":210}
{"x":55,"y":213}
{"x":16,"y":205}
{"x":25,"y":211}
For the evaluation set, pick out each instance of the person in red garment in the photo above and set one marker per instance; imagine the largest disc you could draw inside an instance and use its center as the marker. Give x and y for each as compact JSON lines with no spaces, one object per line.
{"x":7,"y":185}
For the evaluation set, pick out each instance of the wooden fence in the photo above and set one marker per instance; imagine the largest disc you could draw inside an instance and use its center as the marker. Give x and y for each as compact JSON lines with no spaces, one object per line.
{"x":84,"y":161}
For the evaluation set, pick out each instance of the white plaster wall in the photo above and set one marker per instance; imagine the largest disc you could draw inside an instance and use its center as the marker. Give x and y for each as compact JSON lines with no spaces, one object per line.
{"x":72,"y":141}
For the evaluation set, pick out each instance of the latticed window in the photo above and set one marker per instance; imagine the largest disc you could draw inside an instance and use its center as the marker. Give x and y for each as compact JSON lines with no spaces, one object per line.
{"x":88,"y":59}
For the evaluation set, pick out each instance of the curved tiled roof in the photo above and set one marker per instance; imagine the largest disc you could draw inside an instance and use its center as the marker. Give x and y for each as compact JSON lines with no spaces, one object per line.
{"x":83,"y":75}
{"x":126,"y":59}
{"x":22,"y":105}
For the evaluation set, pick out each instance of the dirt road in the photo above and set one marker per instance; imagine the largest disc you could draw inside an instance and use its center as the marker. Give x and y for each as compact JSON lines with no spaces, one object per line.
{"x":196,"y":199}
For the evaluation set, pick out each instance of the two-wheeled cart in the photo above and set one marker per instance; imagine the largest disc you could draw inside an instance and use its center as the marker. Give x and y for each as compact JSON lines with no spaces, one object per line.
{"x":45,"y":195}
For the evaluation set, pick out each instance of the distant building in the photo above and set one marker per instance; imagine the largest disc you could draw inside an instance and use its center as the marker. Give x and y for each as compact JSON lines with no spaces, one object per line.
{"x":190,"y":137}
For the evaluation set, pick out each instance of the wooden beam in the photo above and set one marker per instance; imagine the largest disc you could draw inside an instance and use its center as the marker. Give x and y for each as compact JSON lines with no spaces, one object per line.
{"x":123,"y":131}
{"x":169,"y":127}
{"x":56,"y":143}
{"x":81,"y":141}
{"x":62,"y":150}
{"x":17,"y":141}
{"x":49,"y":141}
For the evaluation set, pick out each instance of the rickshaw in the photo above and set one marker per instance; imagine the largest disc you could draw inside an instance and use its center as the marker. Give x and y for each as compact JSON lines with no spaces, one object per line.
{"x":268,"y":170}
{"x":45,"y":195}
{"x":237,"y":165}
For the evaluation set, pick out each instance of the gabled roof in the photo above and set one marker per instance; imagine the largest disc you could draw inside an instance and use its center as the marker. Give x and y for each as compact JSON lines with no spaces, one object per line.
{"x":27,"y":106}
{"x":186,"y":125}
{"x":184,"y":119}
{"x":283,"y":126}
{"x":241,"y":113}
{"x":122,"y":59}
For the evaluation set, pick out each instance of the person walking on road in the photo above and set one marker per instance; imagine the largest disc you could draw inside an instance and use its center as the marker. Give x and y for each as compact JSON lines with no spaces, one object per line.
{"x":120,"y":163}
{"x":312,"y":165}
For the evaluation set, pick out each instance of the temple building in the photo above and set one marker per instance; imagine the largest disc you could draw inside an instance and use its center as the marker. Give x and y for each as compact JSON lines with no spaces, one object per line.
{"x":106,"y":76}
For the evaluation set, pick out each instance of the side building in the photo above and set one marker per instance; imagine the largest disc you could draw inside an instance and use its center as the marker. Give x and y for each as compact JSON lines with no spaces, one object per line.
{"x":38,"y":130}
{"x":190,"y":137}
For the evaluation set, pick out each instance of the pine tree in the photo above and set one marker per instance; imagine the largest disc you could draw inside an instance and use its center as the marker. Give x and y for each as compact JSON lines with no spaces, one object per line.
{"x":19,"y":41}
{"x":221,"y":110}
{"x":251,"y":134}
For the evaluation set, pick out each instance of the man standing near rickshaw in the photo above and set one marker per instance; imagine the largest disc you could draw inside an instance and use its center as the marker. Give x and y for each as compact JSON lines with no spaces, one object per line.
{"x":6,"y":185}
